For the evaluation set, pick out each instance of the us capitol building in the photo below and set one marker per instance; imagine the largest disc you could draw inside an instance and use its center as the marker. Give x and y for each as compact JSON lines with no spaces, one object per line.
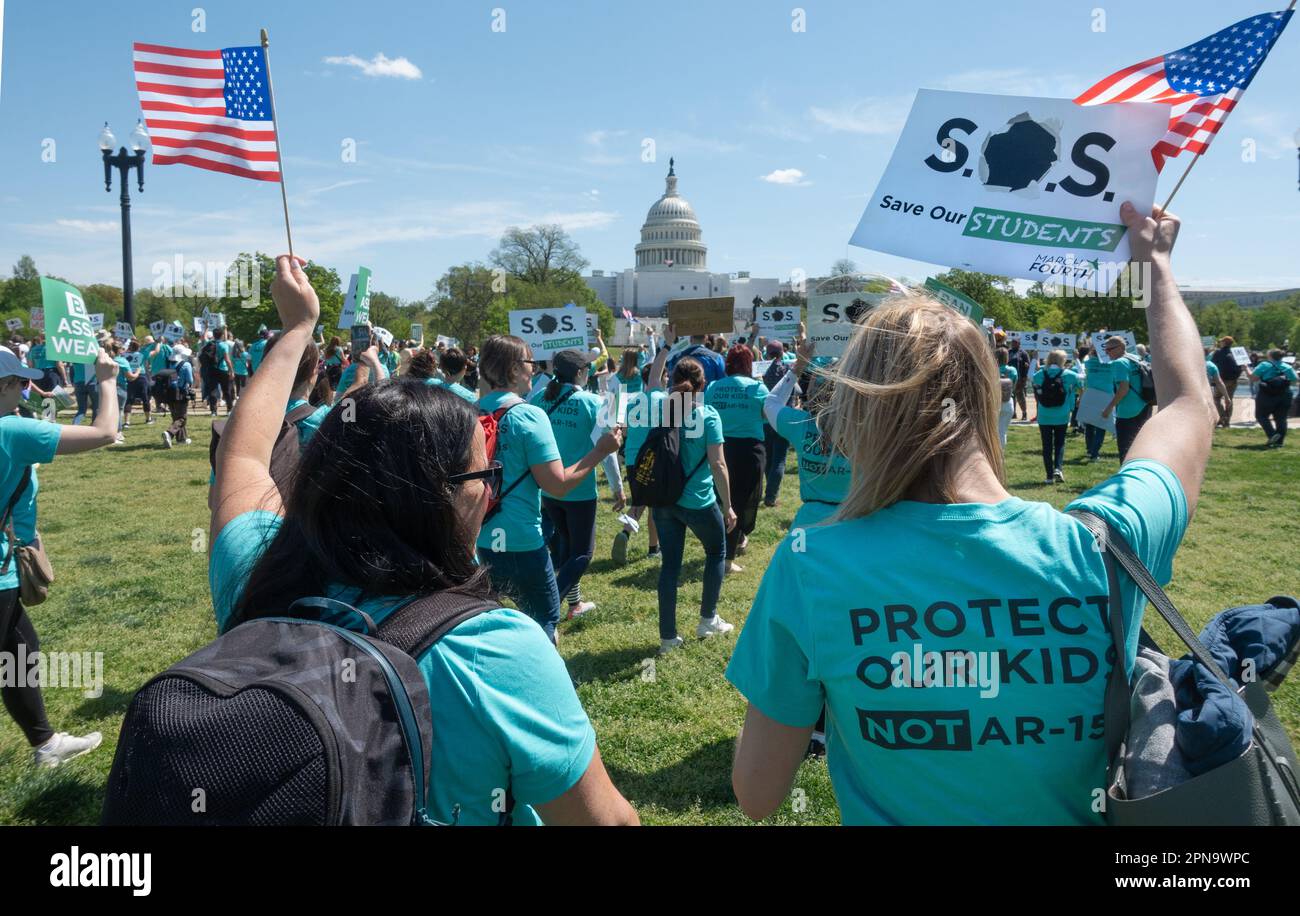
{"x":672,"y":263}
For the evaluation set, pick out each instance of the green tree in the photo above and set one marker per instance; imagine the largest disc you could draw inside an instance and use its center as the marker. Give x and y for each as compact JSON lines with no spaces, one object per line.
{"x":464,"y":305}
{"x":1092,"y":313}
{"x":540,"y":254}
{"x":995,"y":295}
{"x":1224,"y":318}
{"x":22,"y":293}
{"x":252,"y":274}
{"x":1271,"y":325}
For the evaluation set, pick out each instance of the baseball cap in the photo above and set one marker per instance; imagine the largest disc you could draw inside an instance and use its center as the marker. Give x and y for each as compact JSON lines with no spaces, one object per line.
{"x":568,"y":363}
{"x":11,"y":365}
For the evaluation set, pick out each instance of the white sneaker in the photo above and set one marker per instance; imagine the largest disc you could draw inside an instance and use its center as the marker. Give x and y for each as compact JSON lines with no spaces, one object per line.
{"x":120,"y":440}
{"x":714,"y":626}
{"x":582,"y":607}
{"x":189,"y":441}
{"x":167,"y":439}
{"x":63,"y":747}
{"x":667,"y":645}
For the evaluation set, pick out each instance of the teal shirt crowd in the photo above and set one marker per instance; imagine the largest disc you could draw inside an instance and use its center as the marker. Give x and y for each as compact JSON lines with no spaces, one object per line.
{"x":455,"y":388}
{"x":573,"y":422}
{"x":1058,"y":416}
{"x":824,"y":474}
{"x":844,"y":626}
{"x":1097,"y":375}
{"x":524,"y":439}
{"x":502,"y":703}
{"x":738,"y":399}
{"x":1125,"y":369}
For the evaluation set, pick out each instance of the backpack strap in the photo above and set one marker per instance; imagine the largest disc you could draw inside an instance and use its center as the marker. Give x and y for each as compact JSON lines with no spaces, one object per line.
{"x":421,"y":622}
{"x":9,"y":510}
{"x":500,"y":415}
{"x":300,"y":413}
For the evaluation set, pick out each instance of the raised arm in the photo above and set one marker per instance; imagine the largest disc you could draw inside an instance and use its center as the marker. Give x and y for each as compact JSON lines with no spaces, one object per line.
{"x":1180,"y":433}
{"x":244,"y":456}
{"x":76,"y":439}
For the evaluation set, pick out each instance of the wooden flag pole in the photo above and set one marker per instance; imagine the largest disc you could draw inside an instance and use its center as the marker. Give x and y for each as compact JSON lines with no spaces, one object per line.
{"x":275,"y":125}
{"x":1197,"y":157}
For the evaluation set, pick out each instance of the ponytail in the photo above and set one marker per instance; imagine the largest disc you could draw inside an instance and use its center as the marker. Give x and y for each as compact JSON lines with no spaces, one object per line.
{"x":553,"y":388}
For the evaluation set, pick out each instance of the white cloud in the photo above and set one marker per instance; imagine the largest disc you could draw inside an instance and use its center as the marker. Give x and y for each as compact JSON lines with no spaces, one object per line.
{"x":870,"y":116}
{"x":785,"y":176}
{"x":86,"y":225}
{"x":379,"y":65}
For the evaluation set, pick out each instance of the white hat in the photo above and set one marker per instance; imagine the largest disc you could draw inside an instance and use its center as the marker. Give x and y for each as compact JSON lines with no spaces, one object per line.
{"x":181,"y":353}
{"x":10,"y":365}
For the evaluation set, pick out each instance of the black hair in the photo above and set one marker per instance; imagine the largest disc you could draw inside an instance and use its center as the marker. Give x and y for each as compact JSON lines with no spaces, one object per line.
{"x":369,"y":506}
{"x":452,"y":361}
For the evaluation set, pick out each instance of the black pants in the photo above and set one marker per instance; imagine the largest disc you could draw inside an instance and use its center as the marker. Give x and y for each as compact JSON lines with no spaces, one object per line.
{"x":574,"y":540}
{"x":24,"y":703}
{"x":1271,"y":411}
{"x":221,"y":386}
{"x":745,"y":460}
{"x":1053,"y":446}
{"x":1127,"y":430}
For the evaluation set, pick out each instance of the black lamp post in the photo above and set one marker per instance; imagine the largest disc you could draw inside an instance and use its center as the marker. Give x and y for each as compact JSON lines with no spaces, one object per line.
{"x":124,"y":162}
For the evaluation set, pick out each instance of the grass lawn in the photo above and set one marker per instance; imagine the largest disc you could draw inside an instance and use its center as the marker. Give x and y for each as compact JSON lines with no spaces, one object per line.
{"x":126,"y":530}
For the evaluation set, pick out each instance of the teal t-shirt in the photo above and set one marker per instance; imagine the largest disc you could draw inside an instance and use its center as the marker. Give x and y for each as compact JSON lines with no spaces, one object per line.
{"x":702,"y":428}
{"x":573,"y":423}
{"x":502,"y":703}
{"x":1270,"y":369}
{"x":1018,"y":584}
{"x":23,"y":442}
{"x":224,"y":350}
{"x":455,"y":388}
{"x":388,"y":359}
{"x":524,"y":438}
{"x":630,"y":386}
{"x":1098,"y":375}
{"x":1009,"y":372}
{"x":823,"y":479}
{"x":36,"y":357}
{"x":158,"y":358}
{"x":1125,"y":369}
{"x":1058,"y":416}
{"x":241,"y":363}
{"x":738,"y":400}
{"x":256,"y":351}
{"x":308,"y":426}
{"x":123,"y":367}
{"x":639,"y":423}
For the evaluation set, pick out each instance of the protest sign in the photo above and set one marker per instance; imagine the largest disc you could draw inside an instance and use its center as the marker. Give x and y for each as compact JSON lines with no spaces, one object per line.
{"x":356,"y":307}
{"x":14,"y":324}
{"x":760,"y":368}
{"x":955,"y":299}
{"x":692,"y":317}
{"x":1241,"y":357}
{"x":446,"y":341}
{"x":1091,"y":404}
{"x":97,"y":320}
{"x":37,"y":319}
{"x":1015,"y":186}
{"x":1099,"y":340}
{"x":1053,"y":340}
{"x":199,"y":326}
{"x":156,"y":327}
{"x":174,"y":331}
{"x":777,"y":322}
{"x":384,"y":335}
{"x":416,"y":333}
{"x":548,"y":331}
{"x":70,"y":337}
{"x":123,"y":331}
{"x":1207,"y":341}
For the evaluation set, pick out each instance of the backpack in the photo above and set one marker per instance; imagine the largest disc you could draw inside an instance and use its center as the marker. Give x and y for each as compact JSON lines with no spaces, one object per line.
{"x":284,"y":454}
{"x":208,"y":355}
{"x":260,"y":726}
{"x":1052,"y":392}
{"x":1146,"y":382}
{"x":1277,"y":384}
{"x":658,"y":478}
{"x":491,"y":423}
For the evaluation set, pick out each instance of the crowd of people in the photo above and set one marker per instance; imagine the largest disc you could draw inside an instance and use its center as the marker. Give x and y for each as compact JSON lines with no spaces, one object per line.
{"x":475,"y":471}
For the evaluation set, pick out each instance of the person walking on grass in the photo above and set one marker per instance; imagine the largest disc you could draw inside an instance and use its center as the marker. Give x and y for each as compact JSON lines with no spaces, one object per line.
{"x":919,"y":558}
{"x":1274,"y":379}
{"x":1055,"y":390}
{"x":175,"y":388}
{"x":1097,"y":377}
{"x":739,"y":400}
{"x":1222,"y":399}
{"x":634,"y":439}
{"x":1130,"y":410}
{"x":1008,"y":378}
{"x":25,"y":443}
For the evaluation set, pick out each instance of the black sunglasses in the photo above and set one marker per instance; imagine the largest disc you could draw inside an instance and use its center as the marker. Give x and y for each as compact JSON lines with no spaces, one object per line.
{"x":492,"y":474}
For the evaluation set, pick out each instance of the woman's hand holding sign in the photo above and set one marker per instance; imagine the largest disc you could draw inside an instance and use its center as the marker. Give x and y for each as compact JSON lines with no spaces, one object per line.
{"x":295,"y":299}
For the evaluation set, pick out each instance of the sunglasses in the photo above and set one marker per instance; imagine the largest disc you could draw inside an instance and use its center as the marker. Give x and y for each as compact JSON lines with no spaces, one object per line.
{"x":492,"y":474}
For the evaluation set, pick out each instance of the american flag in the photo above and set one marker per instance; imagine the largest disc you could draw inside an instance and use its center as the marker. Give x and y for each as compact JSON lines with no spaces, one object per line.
{"x":210,"y":109}
{"x":1201,"y":82}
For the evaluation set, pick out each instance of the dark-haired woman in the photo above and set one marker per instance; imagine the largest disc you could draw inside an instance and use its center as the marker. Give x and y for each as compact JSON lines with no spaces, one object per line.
{"x":705,"y":464}
{"x":739,"y":399}
{"x":304,"y":381}
{"x":501,"y":700}
{"x":334,"y":361}
{"x":510,"y":543}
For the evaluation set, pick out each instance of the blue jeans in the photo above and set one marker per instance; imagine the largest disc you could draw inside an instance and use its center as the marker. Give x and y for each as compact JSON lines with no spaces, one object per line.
{"x":672,"y":522}
{"x":774,"y":467}
{"x":87,"y":393}
{"x":574,"y":539}
{"x":1053,"y":446}
{"x":121,"y":407}
{"x":528,"y":577}
{"x":1093,"y":438}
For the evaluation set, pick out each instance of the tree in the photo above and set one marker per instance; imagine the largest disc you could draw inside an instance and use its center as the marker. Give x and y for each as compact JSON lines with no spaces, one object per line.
{"x":1271,"y":326}
{"x":540,"y":254}
{"x":252,"y":274}
{"x":464,"y":305}
{"x":844,"y":266}
{"x":1224,"y":318}
{"x":23,"y":292}
{"x":1092,"y":313}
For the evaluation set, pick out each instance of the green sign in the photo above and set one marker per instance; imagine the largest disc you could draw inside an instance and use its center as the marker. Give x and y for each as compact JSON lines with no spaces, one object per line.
{"x":356,"y":308}
{"x":1042,"y":231}
{"x":955,"y":299}
{"x":69,"y":334}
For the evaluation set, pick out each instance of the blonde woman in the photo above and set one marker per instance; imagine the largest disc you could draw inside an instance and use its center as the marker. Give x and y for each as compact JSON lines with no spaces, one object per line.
{"x":929,"y":553}
{"x":1055,"y":391}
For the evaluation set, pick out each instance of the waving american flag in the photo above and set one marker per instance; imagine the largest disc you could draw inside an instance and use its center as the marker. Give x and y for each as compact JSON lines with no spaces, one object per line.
{"x":210,"y":109}
{"x":1201,"y":82}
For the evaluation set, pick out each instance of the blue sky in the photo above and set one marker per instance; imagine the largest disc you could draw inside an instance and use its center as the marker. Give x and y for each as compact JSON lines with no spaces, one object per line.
{"x":474,"y":130}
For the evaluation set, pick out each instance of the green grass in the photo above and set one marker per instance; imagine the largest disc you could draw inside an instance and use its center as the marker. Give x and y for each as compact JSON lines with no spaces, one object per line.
{"x":122,"y":525}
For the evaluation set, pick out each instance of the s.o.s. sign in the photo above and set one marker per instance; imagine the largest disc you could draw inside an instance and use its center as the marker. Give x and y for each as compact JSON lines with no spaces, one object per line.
{"x":1018,"y":187}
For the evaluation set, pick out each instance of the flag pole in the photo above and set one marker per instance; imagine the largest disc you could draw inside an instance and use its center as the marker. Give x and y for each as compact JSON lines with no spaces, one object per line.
{"x":1195,"y":158}
{"x":274,"y":124}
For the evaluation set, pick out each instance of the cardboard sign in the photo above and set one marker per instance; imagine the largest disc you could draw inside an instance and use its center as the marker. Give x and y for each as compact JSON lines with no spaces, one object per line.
{"x":777,"y":322}
{"x":356,"y":307}
{"x":97,"y":321}
{"x":123,"y":331}
{"x":70,"y":337}
{"x":14,"y":324}
{"x":1099,"y":339}
{"x":761,"y":367}
{"x":417,"y":332}
{"x":1092,"y":402}
{"x":1015,"y":186}
{"x":174,"y":331}
{"x":36,"y":320}
{"x":1241,"y":356}
{"x":691,"y":317}
{"x":384,"y":335}
{"x":955,"y":299}
{"x":1052,"y":340}
{"x":156,"y":327}
{"x":548,"y":331}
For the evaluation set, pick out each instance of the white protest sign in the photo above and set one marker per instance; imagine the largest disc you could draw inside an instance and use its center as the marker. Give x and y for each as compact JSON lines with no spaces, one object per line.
{"x":96,"y":320}
{"x":385,"y":336}
{"x":1099,"y":341}
{"x":156,"y":327}
{"x":445,"y":341}
{"x":1015,"y":186}
{"x":761,"y":367}
{"x":174,"y":331}
{"x":777,"y":322}
{"x":548,"y":331}
{"x":832,"y":317}
{"x":1241,"y":357}
{"x":123,"y":331}
{"x":1054,"y":340}
{"x":37,"y":319}
{"x":199,"y":325}
{"x":1091,"y":404}
{"x":14,"y":324}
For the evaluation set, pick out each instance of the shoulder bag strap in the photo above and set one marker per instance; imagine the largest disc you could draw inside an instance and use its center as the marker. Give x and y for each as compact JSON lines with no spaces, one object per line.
{"x":421,"y":622}
{"x":9,"y":510}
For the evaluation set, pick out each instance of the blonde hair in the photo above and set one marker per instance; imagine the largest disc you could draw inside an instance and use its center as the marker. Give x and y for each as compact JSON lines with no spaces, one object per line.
{"x":1056,"y":358}
{"x":915,"y":387}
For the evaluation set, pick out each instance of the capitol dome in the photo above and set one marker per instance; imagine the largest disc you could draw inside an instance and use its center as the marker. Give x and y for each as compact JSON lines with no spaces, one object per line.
{"x":670,"y":236}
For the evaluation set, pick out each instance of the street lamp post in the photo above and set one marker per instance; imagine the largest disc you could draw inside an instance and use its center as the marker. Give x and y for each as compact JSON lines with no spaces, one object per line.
{"x":124,"y":162}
